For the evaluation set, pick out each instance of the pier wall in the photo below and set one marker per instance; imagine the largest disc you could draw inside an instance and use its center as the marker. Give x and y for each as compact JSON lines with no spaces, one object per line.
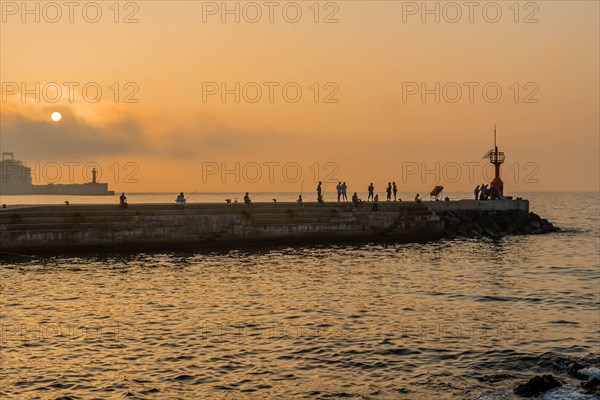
{"x":87,"y":227}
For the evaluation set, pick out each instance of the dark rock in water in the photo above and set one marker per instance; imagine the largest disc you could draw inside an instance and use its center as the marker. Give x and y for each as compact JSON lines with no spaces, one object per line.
{"x":537,"y":385}
{"x":536,"y":225}
{"x":463,"y":230}
{"x":464,"y":217}
{"x":490,"y":232}
{"x":451,"y":231}
{"x":523,"y":216}
{"x":494,"y":224}
{"x":574,"y":371}
{"x":483,"y":222}
{"x":592,"y":387}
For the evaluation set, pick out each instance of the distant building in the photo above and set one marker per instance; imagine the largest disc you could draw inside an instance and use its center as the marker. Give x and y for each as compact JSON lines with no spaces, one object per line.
{"x":15,"y":179}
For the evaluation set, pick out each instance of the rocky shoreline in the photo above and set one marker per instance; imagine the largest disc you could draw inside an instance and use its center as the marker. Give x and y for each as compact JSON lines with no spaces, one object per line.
{"x":495,"y":223}
{"x":585,"y":371}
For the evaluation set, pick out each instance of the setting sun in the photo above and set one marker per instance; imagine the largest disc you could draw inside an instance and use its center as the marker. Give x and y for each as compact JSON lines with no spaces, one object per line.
{"x":56,"y":116}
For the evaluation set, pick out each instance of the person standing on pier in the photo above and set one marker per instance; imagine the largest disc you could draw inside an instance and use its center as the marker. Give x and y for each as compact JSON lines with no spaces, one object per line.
{"x":319,"y":193}
{"x":395,"y":190}
{"x":476,"y":192}
{"x":388,"y":192}
{"x":483,"y":195}
{"x":339,"y":190}
{"x":376,"y":203}
{"x":123,"y":201}
{"x":371,"y":191}
{"x":344,"y":189}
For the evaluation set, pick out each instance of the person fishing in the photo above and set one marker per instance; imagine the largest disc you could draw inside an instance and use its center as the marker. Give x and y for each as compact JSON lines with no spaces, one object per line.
{"x":180,"y":200}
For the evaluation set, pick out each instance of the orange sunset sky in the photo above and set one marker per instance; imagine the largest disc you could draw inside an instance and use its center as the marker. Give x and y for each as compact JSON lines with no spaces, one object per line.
{"x":368,"y":120}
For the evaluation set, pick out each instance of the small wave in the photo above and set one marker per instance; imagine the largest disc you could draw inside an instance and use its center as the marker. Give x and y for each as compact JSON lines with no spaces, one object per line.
{"x":590,"y":372}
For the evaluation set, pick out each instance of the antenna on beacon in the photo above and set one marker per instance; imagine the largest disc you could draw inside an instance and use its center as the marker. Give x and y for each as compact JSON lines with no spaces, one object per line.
{"x":496,"y":158}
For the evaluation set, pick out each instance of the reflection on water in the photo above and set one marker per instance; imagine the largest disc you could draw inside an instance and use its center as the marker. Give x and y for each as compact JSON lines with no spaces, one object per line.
{"x":435,"y":320}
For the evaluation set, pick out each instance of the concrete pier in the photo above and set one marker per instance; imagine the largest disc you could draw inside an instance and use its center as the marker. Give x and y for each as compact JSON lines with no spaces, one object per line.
{"x":95,"y":227}
{"x":58,"y":228}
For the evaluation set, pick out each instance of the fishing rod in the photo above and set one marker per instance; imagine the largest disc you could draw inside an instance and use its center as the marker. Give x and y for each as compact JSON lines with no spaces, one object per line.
{"x":191,"y":195}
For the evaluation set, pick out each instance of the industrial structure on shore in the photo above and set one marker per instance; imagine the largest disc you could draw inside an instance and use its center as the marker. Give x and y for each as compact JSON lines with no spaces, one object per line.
{"x":16,"y":179}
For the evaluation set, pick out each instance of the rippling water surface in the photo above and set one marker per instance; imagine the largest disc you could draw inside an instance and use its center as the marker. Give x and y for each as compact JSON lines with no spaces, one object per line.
{"x":450,"y":319}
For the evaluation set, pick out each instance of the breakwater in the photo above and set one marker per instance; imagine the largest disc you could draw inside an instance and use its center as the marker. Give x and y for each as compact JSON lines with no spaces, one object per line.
{"x":497,"y":218}
{"x":54,"y":228}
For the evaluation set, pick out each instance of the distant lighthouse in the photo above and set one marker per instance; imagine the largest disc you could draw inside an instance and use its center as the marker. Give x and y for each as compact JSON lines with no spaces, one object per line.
{"x":497,"y":158}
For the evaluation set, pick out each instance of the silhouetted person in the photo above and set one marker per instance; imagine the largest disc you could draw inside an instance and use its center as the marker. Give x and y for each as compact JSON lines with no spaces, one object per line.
{"x":247,"y":199}
{"x":319,"y":193}
{"x":417,"y":199}
{"x":339,"y":190}
{"x":483,"y":195}
{"x":371,"y":191}
{"x":355,"y":199}
{"x":180,"y":200}
{"x":388,"y":192}
{"x":376,"y":203}
{"x":299,"y":201}
{"x":476,"y":192}
{"x":123,"y":201}
{"x":344,"y":189}
{"x":395,"y":190}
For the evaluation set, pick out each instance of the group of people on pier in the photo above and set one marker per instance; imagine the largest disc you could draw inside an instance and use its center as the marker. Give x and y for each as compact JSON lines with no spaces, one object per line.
{"x":481,"y":192}
{"x":342,"y":195}
{"x":485,"y":192}
{"x":341,"y":188}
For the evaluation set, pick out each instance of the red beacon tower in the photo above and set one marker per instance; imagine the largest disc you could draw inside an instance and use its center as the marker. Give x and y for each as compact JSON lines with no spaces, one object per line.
{"x":497,"y":158}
